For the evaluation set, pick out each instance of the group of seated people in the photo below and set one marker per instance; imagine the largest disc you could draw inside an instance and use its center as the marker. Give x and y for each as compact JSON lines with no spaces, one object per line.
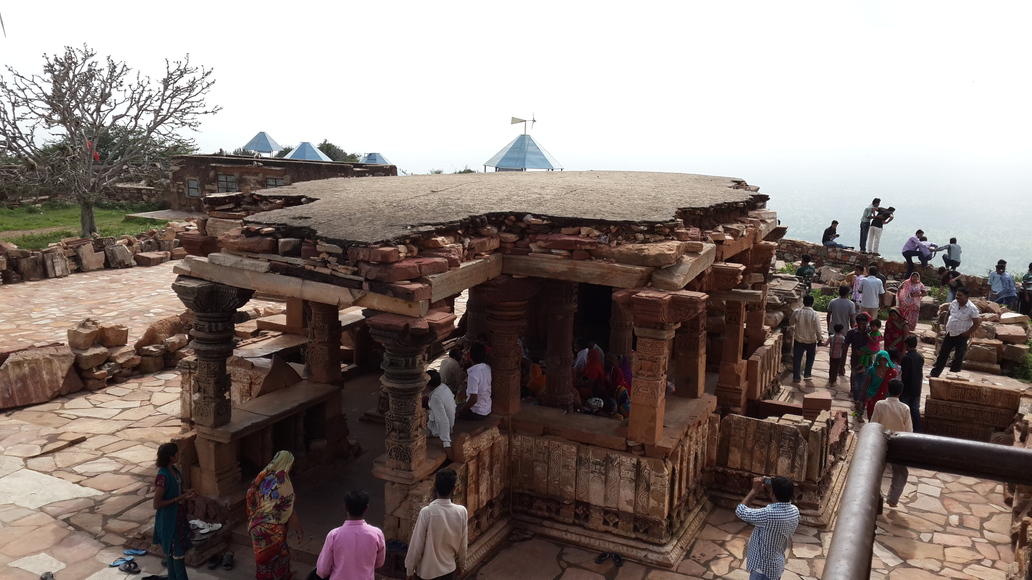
{"x":461,"y":390}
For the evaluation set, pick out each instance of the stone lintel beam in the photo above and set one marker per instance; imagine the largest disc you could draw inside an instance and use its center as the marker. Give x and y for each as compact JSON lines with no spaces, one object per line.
{"x":747,"y":296}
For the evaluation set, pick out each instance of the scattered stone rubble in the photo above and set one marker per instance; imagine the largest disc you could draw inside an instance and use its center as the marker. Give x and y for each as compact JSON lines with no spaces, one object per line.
{"x":999,"y":344}
{"x":70,"y":255}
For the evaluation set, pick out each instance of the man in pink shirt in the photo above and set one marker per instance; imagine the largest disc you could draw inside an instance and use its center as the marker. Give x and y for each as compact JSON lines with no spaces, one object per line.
{"x":356,"y":549}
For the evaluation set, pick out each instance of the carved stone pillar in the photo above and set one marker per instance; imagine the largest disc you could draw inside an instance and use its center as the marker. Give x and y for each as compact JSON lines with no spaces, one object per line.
{"x":648,"y":388}
{"x":731,"y":382}
{"x":621,"y":331}
{"x":214,"y":306}
{"x":755,"y":333}
{"x":323,"y":351}
{"x":656,"y":316}
{"x":476,"y":313}
{"x":405,"y":341}
{"x":506,"y":308}
{"x":560,"y":306}
{"x":690,"y":357}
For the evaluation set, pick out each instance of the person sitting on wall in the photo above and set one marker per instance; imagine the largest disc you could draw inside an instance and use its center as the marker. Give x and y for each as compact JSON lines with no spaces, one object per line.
{"x":830,"y":234}
{"x":478,"y":386}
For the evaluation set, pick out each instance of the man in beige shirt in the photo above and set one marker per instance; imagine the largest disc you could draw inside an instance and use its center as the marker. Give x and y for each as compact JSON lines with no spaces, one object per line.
{"x":437,"y":549}
{"x":894,"y":415}
{"x":806,"y":330}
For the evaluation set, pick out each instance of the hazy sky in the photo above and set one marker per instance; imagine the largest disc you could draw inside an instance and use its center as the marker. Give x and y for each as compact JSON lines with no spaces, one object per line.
{"x":818,"y":103}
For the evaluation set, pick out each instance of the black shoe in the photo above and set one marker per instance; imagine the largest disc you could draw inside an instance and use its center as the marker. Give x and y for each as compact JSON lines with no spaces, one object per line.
{"x":602,"y":557}
{"x":618,"y":560}
{"x":227,"y":561}
{"x":214,"y":561}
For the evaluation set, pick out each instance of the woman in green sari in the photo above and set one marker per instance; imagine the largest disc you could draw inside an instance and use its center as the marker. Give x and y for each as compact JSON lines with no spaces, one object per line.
{"x":171,"y":529}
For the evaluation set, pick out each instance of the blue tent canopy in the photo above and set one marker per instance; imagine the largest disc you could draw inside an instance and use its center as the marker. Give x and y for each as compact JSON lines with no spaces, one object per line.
{"x":523,"y":153}
{"x":308,"y":152}
{"x":374,"y":158}
{"x":262,"y":143}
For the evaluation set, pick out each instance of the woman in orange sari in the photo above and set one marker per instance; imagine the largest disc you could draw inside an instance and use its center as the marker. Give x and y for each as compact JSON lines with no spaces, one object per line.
{"x":592,"y":382}
{"x":270,"y":514}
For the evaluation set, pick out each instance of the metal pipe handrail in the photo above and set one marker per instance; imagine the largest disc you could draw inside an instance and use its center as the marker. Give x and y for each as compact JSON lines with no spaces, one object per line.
{"x":849,"y":555}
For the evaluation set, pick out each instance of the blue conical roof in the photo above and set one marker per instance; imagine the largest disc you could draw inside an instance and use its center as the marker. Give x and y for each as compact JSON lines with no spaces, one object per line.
{"x":523,"y":153}
{"x":262,"y":143}
{"x":308,"y":152}
{"x":374,"y":158}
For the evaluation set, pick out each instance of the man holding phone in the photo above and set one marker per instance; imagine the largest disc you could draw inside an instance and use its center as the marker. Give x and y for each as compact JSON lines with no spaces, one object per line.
{"x":773,"y":527}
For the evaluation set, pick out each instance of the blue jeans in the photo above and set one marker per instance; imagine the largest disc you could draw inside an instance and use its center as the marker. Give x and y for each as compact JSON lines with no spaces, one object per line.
{"x":757,"y":575}
{"x":834,"y":244}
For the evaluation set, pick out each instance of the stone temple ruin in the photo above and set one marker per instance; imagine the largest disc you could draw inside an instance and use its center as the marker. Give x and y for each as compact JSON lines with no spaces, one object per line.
{"x":670,"y":269}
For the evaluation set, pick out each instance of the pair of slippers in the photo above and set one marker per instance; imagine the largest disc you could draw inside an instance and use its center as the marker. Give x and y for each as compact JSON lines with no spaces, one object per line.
{"x":617,"y":558}
{"x":520,"y":535}
{"x":224,"y":560}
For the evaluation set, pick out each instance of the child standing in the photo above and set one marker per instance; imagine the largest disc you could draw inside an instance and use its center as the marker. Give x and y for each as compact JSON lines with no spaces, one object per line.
{"x":837,"y":354}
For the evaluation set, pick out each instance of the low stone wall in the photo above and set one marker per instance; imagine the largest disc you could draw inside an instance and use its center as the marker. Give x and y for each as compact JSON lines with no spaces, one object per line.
{"x":790,"y":250}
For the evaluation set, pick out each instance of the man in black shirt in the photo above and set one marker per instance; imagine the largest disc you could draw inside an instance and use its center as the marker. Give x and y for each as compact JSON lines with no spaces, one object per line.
{"x":912,"y":374}
{"x":856,"y":339}
{"x":829,"y":237}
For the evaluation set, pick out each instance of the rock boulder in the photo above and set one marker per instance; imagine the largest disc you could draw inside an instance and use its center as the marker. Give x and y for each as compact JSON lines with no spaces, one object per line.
{"x":36,"y":375}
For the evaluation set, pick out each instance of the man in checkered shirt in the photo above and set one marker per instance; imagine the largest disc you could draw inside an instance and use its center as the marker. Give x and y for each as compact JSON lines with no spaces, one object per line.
{"x":773,"y":528}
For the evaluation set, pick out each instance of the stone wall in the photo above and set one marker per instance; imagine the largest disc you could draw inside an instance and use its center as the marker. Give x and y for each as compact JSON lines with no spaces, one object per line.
{"x":811,"y":452}
{"x":790,"y":251}
{"x":967,"y":410}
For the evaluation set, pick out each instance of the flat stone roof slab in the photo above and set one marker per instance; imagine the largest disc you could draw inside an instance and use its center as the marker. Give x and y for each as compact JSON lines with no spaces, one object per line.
{"x":379,"y":209}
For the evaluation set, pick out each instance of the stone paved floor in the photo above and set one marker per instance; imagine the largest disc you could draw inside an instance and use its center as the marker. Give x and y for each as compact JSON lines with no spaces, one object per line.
{"x":69,"y":511}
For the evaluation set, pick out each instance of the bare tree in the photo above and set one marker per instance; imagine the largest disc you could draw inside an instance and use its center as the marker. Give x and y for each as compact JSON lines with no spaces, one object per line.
{"x":107,"y":122}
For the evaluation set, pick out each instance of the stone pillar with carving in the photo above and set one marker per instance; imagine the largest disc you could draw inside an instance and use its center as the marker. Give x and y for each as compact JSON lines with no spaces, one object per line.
{"x":323,"y":350}
{"x":506,"y":305}
{"x":731,"y":382}
{"x":755,"y":333}
{"x":560,"y":307}
{"x":690,"y":357}
{"x":213,"y":305}
{"x":621,"y":330}
{"x":405,"y":341}
{"x":476,"y":313}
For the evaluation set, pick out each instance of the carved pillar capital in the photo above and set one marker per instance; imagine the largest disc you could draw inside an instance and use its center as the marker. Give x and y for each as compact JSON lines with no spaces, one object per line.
{"x":214,"y":305}
{"x":405,"y":341}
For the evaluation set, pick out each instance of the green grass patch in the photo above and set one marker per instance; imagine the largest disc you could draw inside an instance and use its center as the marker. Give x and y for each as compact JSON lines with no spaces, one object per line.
{"x":111,"y":221}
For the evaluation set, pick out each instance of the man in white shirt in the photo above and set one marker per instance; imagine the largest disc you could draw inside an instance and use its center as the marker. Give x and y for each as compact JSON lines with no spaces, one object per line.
{"x":894,"y":415}
{"x":440,"y":417}
{"x":871,"y":290}
{"x":437,"y":550}
{"x":806,"y":330}
{"x":964,"y":320}
{"x":478,"y":386}
{"x":451,"y":369}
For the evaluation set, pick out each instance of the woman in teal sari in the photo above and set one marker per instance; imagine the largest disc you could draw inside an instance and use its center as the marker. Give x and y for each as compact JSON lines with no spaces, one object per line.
{"x":171,"y":529}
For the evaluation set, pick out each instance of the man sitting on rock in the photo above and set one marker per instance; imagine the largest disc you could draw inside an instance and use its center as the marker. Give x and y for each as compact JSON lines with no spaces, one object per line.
{"x":830,"y":234}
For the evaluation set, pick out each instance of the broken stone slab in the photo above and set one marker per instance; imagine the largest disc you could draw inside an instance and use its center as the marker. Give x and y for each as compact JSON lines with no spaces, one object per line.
{"x":89,"y":260}
{"x":121,"y":354}
{"x":113,"y":335}
{"x":1015,"y":352}
{"x":1011,"y":333}
{"x":177,"y":253}
{"x":157,"y":333}
{"x":153,"y":350}
{"x":90,"y":357}
{"x":119,"y":256}
{"x":687,"y":268}
{"x":232,"y":261}
{"x":30,"y":267}
{"x":55,"y":262}
{"x":174,"y":343}
{"x":153,"y":258}
{"x":215,"y":227}
{"x":84,"y":335}
{"x":290,"y":246}
{"x":655,"y":255}
{"x":36,"y":375}
{"x":407,"y":269}
{"x":236,"y":240}
{"x":254,"y":377}
{"x":151,"y":364}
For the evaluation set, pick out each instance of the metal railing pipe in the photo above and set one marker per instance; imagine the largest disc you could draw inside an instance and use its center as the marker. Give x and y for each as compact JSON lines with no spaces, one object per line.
{"x":852,"y":543}
{"x":961,"y":457}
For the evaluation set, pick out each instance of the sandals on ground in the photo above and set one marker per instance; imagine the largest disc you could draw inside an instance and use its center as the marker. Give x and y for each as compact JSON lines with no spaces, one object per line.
{"x":130,"y":567}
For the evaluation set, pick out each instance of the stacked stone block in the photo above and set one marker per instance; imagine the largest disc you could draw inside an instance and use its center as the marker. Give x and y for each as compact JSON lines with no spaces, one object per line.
{"x":967,"y":410}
